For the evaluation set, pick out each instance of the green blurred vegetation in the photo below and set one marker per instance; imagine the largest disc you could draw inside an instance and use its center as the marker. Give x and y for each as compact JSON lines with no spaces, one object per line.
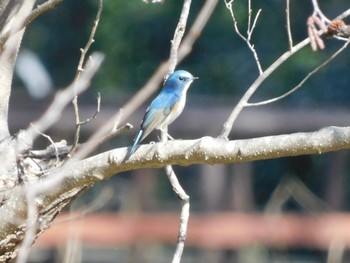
{"x":136,"y":37}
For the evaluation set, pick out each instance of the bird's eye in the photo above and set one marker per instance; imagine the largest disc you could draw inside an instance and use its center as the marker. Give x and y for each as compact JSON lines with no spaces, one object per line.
{"x":181,"y":78}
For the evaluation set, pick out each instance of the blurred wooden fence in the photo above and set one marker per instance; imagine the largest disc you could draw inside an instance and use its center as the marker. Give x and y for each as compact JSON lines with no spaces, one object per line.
{"x":225,"y":230}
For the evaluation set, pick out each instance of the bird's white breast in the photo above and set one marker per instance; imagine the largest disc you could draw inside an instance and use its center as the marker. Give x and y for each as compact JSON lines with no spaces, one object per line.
{"x":176,"y":110}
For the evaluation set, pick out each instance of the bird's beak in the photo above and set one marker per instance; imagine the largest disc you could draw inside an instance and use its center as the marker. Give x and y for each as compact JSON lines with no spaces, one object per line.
{"x":193,"y":78}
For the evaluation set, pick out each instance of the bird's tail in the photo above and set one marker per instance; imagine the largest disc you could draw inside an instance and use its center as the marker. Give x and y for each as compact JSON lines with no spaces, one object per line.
{"x":136,"y":142}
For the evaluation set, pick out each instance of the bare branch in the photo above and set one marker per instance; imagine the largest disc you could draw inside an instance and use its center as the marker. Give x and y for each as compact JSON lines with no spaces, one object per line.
{"x":16,"y":11}
{"x":227,"y":127}
{"x":301,"y":83}
{"x":196,"y":29}
{"x":289,"y":31}
{"x":208,"y":150}
{"x":343,"y":15}
{"x":97,"y":111}
{"x":51,"y":141}
{"x":185,"y":205}
{"x":39,"y":10}
{"x":251,"y":90}
{"x":184,"y":215}
{"x":250,"y":29}
{"x":80,"y":68}
{"x":60,"y":149}
{"x":318,"y":12}
{"x":178,"y":34}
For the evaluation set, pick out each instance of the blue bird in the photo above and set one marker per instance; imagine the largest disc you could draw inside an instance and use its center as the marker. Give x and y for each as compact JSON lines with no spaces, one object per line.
{"x":166,"y":107}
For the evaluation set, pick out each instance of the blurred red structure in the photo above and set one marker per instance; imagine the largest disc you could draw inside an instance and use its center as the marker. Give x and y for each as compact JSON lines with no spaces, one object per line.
{"x":218,"y":230}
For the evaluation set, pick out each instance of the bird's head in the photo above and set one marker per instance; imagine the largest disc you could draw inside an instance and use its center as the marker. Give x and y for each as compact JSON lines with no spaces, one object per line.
{"x":180,"y":79}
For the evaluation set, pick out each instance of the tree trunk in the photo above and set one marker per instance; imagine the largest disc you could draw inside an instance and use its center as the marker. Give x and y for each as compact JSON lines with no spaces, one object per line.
{"x":12,"y":16}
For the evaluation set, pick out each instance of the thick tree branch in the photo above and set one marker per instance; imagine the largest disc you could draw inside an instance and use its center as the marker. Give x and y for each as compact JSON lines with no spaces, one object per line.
{"x":207,"y":150}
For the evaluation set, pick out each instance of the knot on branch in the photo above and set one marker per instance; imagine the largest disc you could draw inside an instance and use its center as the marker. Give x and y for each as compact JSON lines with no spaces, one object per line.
{"x":338,"y":28}
{"x":335,"y":28}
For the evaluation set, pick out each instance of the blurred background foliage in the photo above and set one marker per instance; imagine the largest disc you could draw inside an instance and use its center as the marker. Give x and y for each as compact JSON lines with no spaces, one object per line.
{"x":135,"y":37}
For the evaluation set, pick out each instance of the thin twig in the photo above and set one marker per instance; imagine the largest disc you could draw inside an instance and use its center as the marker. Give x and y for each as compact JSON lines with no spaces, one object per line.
{"x":249,"y":16}
{"x":80,"y":68}
{"x":184,"y":215}
{"x":251,"y":90}
{"x":318,"y":12}
{"x":289,"y":31}
{"x":90,"y":41}
{"x":178,"y":35}
{"x":301,"y":83}
{"x":50,"y":140}
{"x":196,"y":29}
{"x":115,"y":131}
{"x":250,"y":30}
{"x":97,"y":111}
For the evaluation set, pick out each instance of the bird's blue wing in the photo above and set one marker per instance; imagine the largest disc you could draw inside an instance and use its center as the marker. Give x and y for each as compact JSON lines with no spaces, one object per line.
{"x":157,"y":112}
